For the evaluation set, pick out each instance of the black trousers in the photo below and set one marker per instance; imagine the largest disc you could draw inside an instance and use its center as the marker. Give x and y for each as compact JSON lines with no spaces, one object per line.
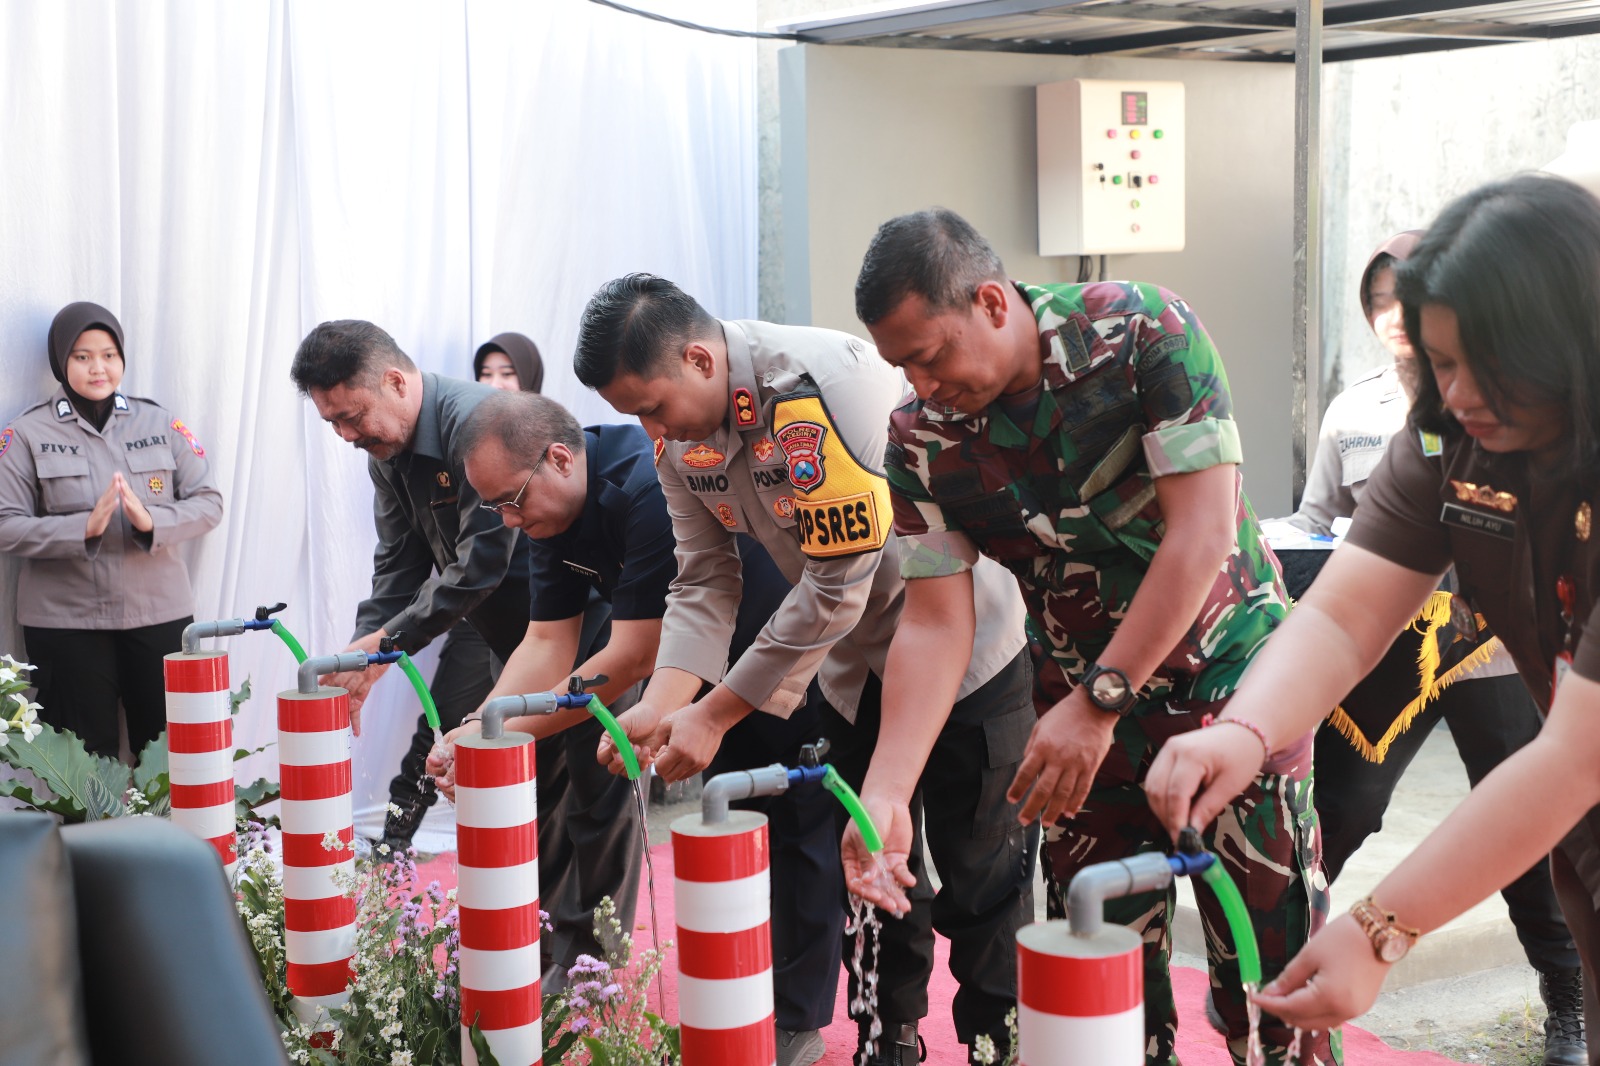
{"x":984,"y":857}
{"x":82,"y":673}
{"x":466,"y":672}
{"x":807,"y":878}
{"x":1489,"y":718}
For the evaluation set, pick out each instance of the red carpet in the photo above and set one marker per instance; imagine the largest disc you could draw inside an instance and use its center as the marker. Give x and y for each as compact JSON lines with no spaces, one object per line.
{"x":1198,"y":1043}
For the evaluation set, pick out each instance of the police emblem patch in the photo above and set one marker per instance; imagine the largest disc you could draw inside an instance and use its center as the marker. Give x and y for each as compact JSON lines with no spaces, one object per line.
{"x":725,"y":513}
{"x":702,"y":456}
{"x":443,"y":478}
{"x":661,"y":446}
{"x":783,"y":507}
{"x":1484,"y":496}
{"x":763,"y":449}
{"x":5,"y":439}
{"x":156,"y":485}
{"x":744,"y":408}
{"x":802,"y":447}
{"x":183,"y":431}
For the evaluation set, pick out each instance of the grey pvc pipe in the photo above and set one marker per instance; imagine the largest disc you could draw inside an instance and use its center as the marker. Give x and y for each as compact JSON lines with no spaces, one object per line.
{"x":1093,"y":885}
{"x":737,"y":785}
{"x":314,"y":668}
{"x":195,"y":632}
{"x":497,"y":710}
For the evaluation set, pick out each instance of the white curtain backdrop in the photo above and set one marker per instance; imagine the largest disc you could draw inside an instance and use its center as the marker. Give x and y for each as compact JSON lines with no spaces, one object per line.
{"x":224,"y":176}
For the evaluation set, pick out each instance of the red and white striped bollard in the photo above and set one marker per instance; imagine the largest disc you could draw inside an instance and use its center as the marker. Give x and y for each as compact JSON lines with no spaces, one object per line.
{"x":1080,"y":1000}
{"x":200,"y":750}
{"x":497,"y":898}
{"x":723,"y":899}
{"x":319,"y":917}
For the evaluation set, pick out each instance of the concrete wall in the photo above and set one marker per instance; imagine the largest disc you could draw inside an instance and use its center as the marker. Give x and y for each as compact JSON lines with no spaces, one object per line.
{"x":869,"y":133}
{"x":1403,"y":136}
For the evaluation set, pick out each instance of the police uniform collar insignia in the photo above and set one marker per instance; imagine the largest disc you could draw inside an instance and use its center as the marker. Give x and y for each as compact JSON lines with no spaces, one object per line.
{"x":702,"y":456}
{"x":443,"y":478}
{"x":744,"y":408}
{"x":660,"y":446}
{"x":63,"y":408}
{"x":1484,"y":496}
{"x":1582,"y":522}
{"x":1432,"y":444}
{"x":120,"y":403}
{"x":763,"y":449}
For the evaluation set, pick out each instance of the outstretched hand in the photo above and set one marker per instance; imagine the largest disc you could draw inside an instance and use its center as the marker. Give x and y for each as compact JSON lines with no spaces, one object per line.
{"x":639,"y":723}
{"x":883,"y":885}
{"x":441,"y":764}
{"x":1196,"y":775}
{"x":1334,"y":978}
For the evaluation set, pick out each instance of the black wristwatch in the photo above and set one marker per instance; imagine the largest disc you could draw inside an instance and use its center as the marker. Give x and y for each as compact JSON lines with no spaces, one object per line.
{"x":1109,"y":688}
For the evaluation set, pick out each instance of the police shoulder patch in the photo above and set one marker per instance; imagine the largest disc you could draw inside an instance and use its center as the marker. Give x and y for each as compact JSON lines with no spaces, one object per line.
{"x":187,"y":434}
{"x":841,"y":507}
{"x":661,"y":446}
{"x":5,"y":439}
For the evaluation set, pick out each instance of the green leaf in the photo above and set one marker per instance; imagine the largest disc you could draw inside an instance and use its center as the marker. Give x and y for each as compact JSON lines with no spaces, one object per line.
{"x":480,"y":1044}
{"x":53,"y":805}
{"x":239,"y":696}
{"x":152,"y":765}
{"x":247,"y":798}
{"x":599,"y":1054}
{"x":161,"y":806}
{"x":428,"y":1049}
{"x":59,"y":759}
{"x":102,"y":802}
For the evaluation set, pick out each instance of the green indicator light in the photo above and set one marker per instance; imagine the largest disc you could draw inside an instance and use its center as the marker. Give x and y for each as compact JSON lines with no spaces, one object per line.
{"x":1116,"y":179}
{"x":1158,"y":135}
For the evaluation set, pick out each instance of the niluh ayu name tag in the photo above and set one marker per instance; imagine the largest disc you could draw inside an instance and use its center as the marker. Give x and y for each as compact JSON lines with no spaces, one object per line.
{"x":1476,"y":521}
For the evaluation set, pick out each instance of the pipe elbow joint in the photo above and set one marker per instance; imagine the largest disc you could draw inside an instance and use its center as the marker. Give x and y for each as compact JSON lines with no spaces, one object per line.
{"x":311,"y":669}
{"x":195,"y":632}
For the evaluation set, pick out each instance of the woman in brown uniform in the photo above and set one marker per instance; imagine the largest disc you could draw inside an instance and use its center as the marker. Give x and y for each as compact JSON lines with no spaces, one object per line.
{"x":1495,"y":475}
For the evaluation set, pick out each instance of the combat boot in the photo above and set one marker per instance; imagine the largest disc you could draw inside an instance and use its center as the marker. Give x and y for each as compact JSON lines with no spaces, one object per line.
{"x":898,"y":1046}
{"x":1564,"y":1040}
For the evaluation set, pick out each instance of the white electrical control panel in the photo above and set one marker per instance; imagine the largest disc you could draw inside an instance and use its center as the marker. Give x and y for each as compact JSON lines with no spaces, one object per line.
{"x":1110,"y":167}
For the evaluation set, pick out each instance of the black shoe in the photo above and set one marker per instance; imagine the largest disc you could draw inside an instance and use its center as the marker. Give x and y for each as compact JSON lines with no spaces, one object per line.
{"x":898,"y":1046}
{"x":1564,"y":1042}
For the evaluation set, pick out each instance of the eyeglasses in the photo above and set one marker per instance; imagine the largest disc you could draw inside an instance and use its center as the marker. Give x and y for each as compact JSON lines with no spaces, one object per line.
{"x":514,"y":504}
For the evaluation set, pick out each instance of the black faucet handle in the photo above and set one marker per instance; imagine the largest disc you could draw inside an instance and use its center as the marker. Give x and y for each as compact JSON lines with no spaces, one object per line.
{"x":386,"y":644}
{"x":812,"y":754}
{"x":264,"y":613}
{"x":577,"y":685}
{"x":1189,"y":842}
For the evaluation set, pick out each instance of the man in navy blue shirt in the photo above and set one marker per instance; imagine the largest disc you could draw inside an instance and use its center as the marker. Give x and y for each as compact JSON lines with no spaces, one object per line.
{"x":597,"y":520}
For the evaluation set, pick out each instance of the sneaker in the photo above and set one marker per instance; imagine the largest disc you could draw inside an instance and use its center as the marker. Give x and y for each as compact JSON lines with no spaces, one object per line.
{"x":799,"y":1047}
{"x":1564,"y":1040}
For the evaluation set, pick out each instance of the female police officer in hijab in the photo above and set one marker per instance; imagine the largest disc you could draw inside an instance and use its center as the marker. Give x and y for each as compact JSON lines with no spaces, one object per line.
{"x":97,"y":490}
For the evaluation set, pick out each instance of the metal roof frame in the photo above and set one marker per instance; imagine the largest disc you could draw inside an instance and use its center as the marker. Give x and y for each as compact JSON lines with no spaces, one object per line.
{"x":1225,"y":30}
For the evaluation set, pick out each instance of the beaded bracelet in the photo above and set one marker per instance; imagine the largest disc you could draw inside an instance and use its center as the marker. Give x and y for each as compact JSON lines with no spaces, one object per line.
{"x":1211,"y":720}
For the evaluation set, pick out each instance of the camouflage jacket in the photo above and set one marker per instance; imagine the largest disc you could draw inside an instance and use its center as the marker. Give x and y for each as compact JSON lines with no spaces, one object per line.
{"x":1133,"y":389}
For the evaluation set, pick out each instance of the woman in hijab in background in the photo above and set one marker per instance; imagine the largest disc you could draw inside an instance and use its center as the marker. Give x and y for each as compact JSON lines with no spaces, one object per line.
{"x":509,"y":361}
{"x":97,"y":488}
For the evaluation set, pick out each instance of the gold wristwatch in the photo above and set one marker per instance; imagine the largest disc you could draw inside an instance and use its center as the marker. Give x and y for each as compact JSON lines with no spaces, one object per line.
{"x":1390,"y":939}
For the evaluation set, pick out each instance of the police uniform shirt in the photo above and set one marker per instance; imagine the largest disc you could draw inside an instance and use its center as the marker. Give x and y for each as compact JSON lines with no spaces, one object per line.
{"x":1355,"y":432}
{"x":797,"y":466}
{"x":428,"y":520}
{"x":622,"y":544}
{"x":54,"y":466}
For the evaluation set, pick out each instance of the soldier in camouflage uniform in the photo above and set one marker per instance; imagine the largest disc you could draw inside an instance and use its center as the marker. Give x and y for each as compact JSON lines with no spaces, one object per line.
{"x":1082,"y":436}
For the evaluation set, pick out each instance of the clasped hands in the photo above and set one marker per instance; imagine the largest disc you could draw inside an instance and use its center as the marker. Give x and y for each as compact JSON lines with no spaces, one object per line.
{"x":118,"y":493}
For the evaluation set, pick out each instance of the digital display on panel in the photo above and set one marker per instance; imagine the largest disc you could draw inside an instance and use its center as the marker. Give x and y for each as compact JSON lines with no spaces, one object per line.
{"x":1135,"y":109}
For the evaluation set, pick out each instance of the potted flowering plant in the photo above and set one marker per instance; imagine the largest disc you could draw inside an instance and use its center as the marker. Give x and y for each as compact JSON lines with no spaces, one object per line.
{"x":404,"y":1007}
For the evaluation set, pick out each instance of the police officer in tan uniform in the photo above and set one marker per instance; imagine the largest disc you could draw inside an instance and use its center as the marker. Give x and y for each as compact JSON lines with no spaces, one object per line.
{"x":96,"y":490}
{"x":778,"y":432}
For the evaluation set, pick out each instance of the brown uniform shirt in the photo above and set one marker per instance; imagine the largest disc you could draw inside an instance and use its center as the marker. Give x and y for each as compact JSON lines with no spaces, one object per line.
{"x":1509,"y":533}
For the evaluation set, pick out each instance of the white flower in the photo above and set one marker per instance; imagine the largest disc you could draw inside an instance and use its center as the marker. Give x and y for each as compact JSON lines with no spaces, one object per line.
{"x":383,"y":849}
{"x":7,"y":675}
{"x":394,"y":809}
{"x":30,"y":711}
{"x":390,"y":1031}
{"x":400,"y":1058}
{"x":4,"y":740}
{"x":13,"y":664}
{"x":332,"y":842}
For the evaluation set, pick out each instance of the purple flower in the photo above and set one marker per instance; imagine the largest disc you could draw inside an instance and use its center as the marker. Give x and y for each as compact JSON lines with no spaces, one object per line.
{"x":578,"y":1025}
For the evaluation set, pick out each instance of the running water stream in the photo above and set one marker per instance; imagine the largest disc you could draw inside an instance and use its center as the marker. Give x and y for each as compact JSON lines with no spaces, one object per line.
{"x":865,"y":926}
{"x":650,"y":888}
